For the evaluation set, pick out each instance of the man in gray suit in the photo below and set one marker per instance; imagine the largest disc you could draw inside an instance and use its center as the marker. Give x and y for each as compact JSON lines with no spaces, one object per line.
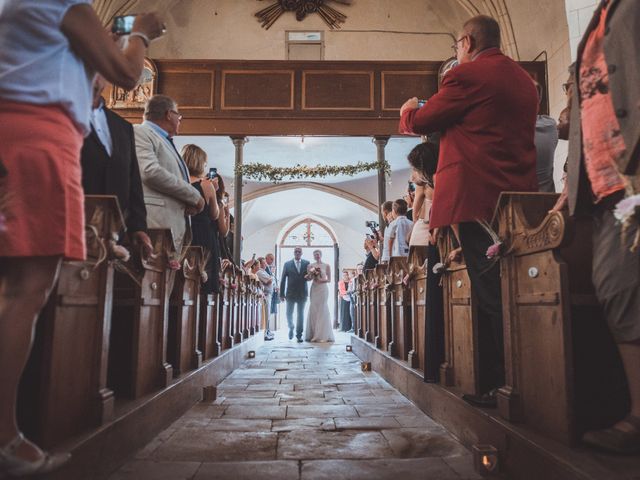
{"x":168,"y":195}
{"x":293,"y":289}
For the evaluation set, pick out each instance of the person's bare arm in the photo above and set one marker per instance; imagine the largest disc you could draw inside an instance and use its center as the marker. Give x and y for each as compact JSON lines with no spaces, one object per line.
{"x":223,"y":221}
{"x":418,"y":202}
{"x":210,"y":197}
{"x":99,"y":52}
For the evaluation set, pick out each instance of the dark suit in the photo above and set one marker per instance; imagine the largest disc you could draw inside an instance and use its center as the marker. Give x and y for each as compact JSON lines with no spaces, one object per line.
{"x":293,"y":286}
{"x":117,"y":174}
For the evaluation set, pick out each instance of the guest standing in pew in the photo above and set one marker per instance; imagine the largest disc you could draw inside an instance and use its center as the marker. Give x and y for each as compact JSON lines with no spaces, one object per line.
{"x":345,"y":302}
{"x":224,"y":220}
{"x":204,"y":225}
{"x":168,"y":195}
{"x":50,"y":51}
{"x":486,"y":110}
{"x":110,"y":167}
{"x":372,"y":253}
{"x":546,"y":141}
{"x":399,"y":230}
{"x":423,"y":160}
{"x":604,"y":170}
{"x":275,"y":297}
{"x":387,"y":216}
{"x":409,"y":197}
{"x":268,"y":284}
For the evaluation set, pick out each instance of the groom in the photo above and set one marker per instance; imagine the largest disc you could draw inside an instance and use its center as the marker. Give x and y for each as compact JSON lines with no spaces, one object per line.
{"x":293,"y":289}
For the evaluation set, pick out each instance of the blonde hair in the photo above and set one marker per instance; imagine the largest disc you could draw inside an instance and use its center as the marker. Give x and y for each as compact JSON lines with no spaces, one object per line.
{"x":195,"y":158}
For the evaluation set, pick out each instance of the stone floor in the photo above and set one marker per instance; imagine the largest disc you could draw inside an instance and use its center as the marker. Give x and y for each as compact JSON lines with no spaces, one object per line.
{"x":302,"y":411}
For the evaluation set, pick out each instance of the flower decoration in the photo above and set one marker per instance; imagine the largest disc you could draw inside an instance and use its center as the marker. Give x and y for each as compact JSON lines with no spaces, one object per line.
{"x":262,"y":171}
{"x":494,"y":250}
{"x":233,"y":286}
{"x":627,"y":212}
{"x":174,"y":264}
{"x":439,"y":268}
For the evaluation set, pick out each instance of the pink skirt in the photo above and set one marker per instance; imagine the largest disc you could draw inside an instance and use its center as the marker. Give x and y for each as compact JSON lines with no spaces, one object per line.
{"x":44,"y":200}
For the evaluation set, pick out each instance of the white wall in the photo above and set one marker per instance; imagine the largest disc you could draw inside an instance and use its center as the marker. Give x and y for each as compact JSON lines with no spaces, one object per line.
{"x":579,"y":13}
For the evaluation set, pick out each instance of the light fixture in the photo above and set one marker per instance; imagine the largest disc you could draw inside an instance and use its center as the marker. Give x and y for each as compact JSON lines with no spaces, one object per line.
{"x":251,"y":354}
{"x":209,"y":393}
{"x":366,"y":366}
{"x":349,"y":348}
{"x":486,"y":460}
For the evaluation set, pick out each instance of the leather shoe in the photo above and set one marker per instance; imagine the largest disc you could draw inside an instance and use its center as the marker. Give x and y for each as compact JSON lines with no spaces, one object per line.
{"x":486,"y":400}
{"x":614,"y":440}
{"x":300,"y":340}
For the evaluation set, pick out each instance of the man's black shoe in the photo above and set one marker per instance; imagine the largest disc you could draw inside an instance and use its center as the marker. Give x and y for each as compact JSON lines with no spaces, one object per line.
{"x":486,"y":400}
{"x":300,"y":340}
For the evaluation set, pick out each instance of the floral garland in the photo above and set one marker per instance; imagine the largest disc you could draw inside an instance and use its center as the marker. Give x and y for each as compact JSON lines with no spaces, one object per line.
{"x":262,"y":171}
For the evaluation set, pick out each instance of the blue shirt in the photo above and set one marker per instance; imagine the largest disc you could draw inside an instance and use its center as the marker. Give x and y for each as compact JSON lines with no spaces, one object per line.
{"x":37,"y":65}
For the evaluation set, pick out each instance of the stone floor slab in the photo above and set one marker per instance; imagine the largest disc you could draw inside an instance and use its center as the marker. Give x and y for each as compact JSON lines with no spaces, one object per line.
{"x":290,"y":425}
{"x":239,"y":425}
{"x":366,"y":423}
{"x":419,"y":442}
{"x":331,"y":445}
{"x":150,"y":470}
{"x":321,"y":411}
{"x":277,"y":470}
{"x":382,"y":469}
{"x":211,"y":446}
{"x":262,"y":411}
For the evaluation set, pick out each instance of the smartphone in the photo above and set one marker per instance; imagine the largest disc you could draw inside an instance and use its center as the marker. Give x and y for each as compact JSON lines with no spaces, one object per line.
{"x":213,"y":172}
{"x":123,"y":24}
{"x":421,"y":103}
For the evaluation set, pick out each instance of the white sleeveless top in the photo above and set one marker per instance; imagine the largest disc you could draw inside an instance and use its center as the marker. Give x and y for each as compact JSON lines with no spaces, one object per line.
{"x":37,"y":65}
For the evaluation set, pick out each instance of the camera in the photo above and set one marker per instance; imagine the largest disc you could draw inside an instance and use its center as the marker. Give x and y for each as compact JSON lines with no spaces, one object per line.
{"x":123,"y":24}
{"x":373,"y":225}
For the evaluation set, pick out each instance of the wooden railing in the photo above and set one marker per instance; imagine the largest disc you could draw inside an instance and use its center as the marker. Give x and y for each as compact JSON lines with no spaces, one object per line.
{"x":112,"y":329}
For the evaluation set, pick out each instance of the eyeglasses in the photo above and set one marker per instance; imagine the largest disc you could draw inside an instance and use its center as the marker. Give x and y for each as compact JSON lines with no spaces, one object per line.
{"x":566,"y":87}
{"x":179,"y":116}
{"x":455,"y":45}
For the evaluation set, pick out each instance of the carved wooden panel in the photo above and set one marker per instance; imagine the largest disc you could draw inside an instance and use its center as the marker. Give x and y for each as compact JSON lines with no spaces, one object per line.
{"x":397,"y":87}
{"x":191,"y":90}
{"x":337,"y":90}
{"x":257,"y":89}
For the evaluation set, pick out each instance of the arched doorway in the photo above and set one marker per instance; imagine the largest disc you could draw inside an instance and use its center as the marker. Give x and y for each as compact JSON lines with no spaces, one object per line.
{"x":310,"y":234}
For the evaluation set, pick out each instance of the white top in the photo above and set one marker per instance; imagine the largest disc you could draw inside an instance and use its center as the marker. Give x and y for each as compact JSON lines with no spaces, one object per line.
{"x":37,"y":65}
{"x":264,"y":277}
{"x":386,"y":254}
{"x":101,"y":127}
{"x":400,"y":231}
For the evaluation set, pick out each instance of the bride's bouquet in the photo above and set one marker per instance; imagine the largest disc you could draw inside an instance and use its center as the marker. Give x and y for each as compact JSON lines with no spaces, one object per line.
{"x":314,"y":273}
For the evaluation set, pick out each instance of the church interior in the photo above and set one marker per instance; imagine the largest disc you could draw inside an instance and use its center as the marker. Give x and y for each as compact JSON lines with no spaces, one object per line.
{"x":139,"y":372}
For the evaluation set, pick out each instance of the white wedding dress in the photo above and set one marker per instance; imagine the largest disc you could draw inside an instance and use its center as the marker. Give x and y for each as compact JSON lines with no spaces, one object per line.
{"x":319,"y":328}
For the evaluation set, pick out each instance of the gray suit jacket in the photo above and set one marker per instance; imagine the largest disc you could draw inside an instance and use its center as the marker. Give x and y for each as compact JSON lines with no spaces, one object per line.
{"x":622,"y":40}
{"x":166,"y":193}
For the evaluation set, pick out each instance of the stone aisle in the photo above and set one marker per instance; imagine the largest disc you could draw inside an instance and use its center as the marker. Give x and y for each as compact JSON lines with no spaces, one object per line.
{"x":302,"y":411}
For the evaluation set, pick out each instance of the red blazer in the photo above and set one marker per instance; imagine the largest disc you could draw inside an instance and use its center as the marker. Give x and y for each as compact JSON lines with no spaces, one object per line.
{"x":486,"y":111}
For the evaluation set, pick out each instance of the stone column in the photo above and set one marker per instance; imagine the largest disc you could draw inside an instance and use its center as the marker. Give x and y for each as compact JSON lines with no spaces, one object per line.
{"x":381,"y":143}
{"x":237,"y":198}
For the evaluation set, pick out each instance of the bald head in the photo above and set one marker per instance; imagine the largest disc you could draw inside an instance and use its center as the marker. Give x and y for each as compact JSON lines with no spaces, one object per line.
{"x":484,"y":30}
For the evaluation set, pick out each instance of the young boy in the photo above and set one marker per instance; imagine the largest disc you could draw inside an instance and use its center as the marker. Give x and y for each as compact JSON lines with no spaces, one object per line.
{"x":400,"y":230}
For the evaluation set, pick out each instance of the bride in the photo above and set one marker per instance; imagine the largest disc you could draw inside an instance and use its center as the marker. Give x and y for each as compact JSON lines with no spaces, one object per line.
{"x":319,"y":327}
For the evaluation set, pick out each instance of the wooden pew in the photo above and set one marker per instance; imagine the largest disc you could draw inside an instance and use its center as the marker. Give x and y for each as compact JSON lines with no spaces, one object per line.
{"x":383,"y":308}
{"x":401,"y":336}
{"x":461,"y":367}
{"x":184,"y":314}
{"x":64,"y":388}
{"x":563,"y":374}
{"x":210,"y":319}
{"x":371,"y":295}
{"x":245,"y":305}
{"x":226,"y":307}
{"x":236,"y":305}
{"x":138,"y":357}
{"x":358,"y":298}
{"x":418,"y":287}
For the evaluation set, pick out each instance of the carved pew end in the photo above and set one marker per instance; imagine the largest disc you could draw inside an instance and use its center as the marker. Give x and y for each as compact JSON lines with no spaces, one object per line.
{"x":209,"y":393}
{"x":486,"y":460}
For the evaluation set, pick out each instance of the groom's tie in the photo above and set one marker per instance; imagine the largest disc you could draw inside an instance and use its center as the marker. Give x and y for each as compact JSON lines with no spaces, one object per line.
{"x":298,"y":265}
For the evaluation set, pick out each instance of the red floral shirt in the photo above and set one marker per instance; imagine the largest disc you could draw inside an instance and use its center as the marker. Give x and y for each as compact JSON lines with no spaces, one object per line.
{"x":602,"y":140}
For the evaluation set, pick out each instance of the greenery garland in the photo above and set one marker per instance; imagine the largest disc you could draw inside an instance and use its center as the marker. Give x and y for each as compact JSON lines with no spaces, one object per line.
{"x":262,"y":171}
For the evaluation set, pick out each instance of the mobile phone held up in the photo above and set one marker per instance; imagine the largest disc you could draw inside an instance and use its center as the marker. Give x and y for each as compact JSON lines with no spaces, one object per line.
{"x":213,"y":173}
{"x":123,"y":24}
{"x":421,"y":103}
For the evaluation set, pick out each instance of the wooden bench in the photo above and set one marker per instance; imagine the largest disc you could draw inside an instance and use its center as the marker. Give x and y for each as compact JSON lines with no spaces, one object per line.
{"x":210,"y":320}
{"x":563,"y":374}
{"x":371,"y":312}
{"x":64,"y":388}
{"x":382,"y":314}
{"x":226,"y":307}
{"x":138,"y":356}
{"x":401,"y":335}
{"x":184,"y":314}
{"x":358,"y":307}
{"x":461,"y":367}
{"x":418,"y":288}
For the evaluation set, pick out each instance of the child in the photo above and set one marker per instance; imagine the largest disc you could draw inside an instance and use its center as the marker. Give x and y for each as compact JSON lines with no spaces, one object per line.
{"x":400,"y":230}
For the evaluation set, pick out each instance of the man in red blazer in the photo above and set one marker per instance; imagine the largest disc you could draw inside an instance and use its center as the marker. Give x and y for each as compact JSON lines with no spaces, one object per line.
{"x":486,"y":110}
